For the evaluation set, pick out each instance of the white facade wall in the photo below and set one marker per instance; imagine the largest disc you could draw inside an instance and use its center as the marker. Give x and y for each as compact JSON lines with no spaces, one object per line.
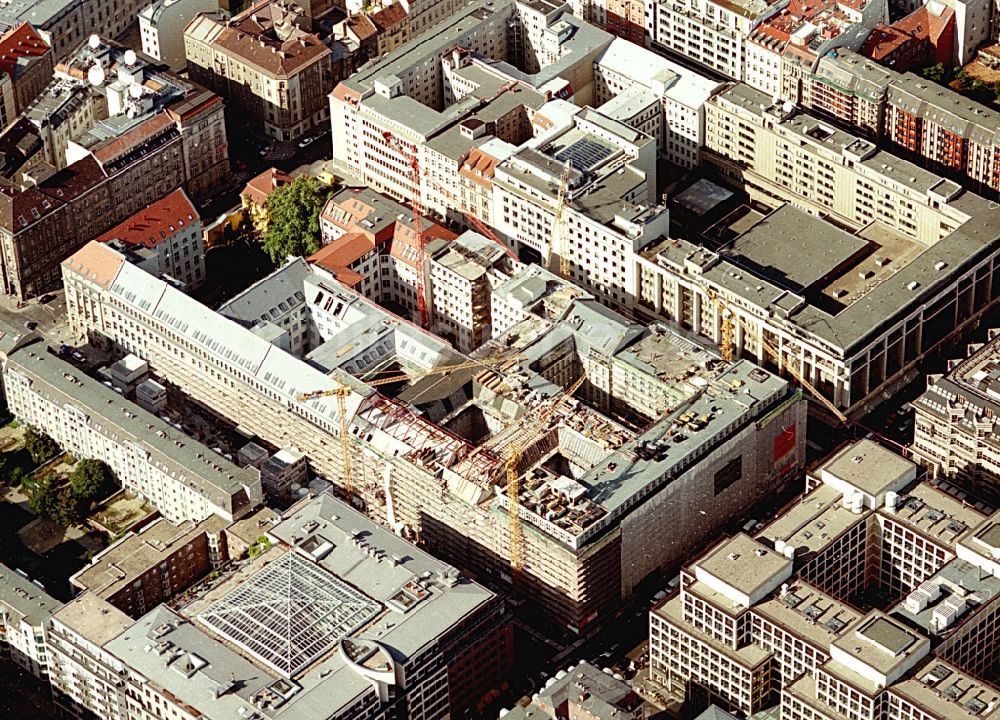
{"x":25,"y":642}
{"x":161,"y":28}
{"x":72,"y":427}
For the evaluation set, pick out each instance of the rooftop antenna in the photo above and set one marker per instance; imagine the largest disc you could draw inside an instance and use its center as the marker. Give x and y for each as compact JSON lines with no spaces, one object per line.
{"x":95,"y":75}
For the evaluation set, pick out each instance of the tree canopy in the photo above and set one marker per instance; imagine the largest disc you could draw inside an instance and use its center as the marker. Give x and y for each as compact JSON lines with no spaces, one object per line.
{"x":293,"y":219}
{"x":39,"y":445}
{"x":49,"y":500}
{"x":89,"y":480}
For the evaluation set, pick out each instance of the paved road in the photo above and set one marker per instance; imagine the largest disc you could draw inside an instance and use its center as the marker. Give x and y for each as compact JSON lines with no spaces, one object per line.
{"x":48,"y":318}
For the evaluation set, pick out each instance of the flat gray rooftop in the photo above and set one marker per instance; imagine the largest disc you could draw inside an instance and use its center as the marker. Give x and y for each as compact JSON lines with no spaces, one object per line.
{"x":744,"y":563}
{"x":702,"y":196}
{"x":960,"y":579}
{"x":794,"y":249}
{"x":869,"y":467}
{"x":740,"y":394}
{"x":220,"y":480}
{"x":888,"y":635}
{"x":23,"y":598}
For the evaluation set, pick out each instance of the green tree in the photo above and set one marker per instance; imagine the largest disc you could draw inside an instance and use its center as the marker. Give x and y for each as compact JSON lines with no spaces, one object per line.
{"x":293,"y":218}
{"x":89,"y":480}
{"x":937,"y":73}
{"x":39,"y":445}
{"x":42,"y":494}
{"x":66,"y":508}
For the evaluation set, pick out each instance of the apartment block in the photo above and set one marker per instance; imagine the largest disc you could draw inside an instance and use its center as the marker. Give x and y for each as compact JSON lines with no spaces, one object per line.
{"x":86,"y":679}
{"x":955,"y":134}
{"x":25,"y":70}
{"x":161,"y":28}
{"x":405,"y":634}
{"x":789,"y":43}
{"x":168,"y":237}
{"x":64,"y":24}
{"x":166,"y":134}
{"x":637,"y":440}
{"x":610,"y":210}
{"x":847,"y":88}
{"x":371,"y":246}
{"x":924,"y":37}
{"x":753,"y":626}
{"x":182,"y":479}
{"x":267,"y":65}
{"x":25,"y":608}
{"x":152,"y":565}
{"x":916,"y":241}
{"x":629,"y":78}
{"x":477,"y":77}
{"x":955,"y":419}
{"x":713,"y":33}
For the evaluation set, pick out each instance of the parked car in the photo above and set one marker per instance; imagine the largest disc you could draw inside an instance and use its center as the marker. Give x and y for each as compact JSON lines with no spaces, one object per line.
{"x":305,"y":142}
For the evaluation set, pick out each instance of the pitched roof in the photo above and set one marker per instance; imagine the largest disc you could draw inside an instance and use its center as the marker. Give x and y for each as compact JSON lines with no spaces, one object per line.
{"x":266,"y":36}
{"x":97,"y":262}
{"x":157,"y":222}
{"x":362,"y":26}
{"x":389,"y":16}
{"x":336,"y":256}
{"x":134,"y":138}
{"x":258,"y":188}
{"x":18,"y":47}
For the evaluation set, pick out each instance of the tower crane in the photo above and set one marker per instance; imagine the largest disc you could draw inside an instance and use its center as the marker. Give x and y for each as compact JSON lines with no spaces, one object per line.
{"x":727,"y":349}
{"x":559,"y":237}
{"x":513,"y":477}
{"x":343,"y":391}
{"x":410,"y":157}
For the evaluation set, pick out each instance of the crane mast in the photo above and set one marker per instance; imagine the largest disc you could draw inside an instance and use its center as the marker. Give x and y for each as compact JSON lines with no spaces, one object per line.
{"x":410,"y":157}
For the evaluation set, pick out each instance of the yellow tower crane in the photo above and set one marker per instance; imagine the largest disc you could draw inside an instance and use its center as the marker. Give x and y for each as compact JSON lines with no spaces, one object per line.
{"x":513,"y":477}
{"x":727,"y":349}
{"x":343,"y":391}
{"x":559,"y":237}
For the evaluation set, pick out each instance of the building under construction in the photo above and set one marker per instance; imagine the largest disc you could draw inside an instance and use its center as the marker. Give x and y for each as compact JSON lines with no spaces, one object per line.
{"x":623,"y":445}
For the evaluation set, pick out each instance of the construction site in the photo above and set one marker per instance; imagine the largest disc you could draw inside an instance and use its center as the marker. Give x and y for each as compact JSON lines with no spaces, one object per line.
{"x":570,"y":456}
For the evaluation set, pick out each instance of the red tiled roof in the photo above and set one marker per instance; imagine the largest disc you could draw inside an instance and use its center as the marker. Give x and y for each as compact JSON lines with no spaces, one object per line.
{"x":479,"y":167}
{"x":134,"y":138}
{"x":96,"y":262}
{"x":404,"y":240}
{"x":346,"y":94}
{"x":336,"y":256}
{"x":18,"y":43}
{"x":251,"y":37}
{"x":362,"y":26}
{"x":156,"y":223}
{"x":388,"y":16}
{"x":258,"y":188}
{"x":883,"y":41}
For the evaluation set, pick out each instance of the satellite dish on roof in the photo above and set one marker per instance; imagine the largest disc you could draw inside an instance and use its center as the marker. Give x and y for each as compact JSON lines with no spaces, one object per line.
{"x":775,"y":99}
{"x":94,"y":41}
{"x":130,"y":57}
{"x":96,"y":75}
{"x":135,"y":91}
{"x":788,"y":106}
